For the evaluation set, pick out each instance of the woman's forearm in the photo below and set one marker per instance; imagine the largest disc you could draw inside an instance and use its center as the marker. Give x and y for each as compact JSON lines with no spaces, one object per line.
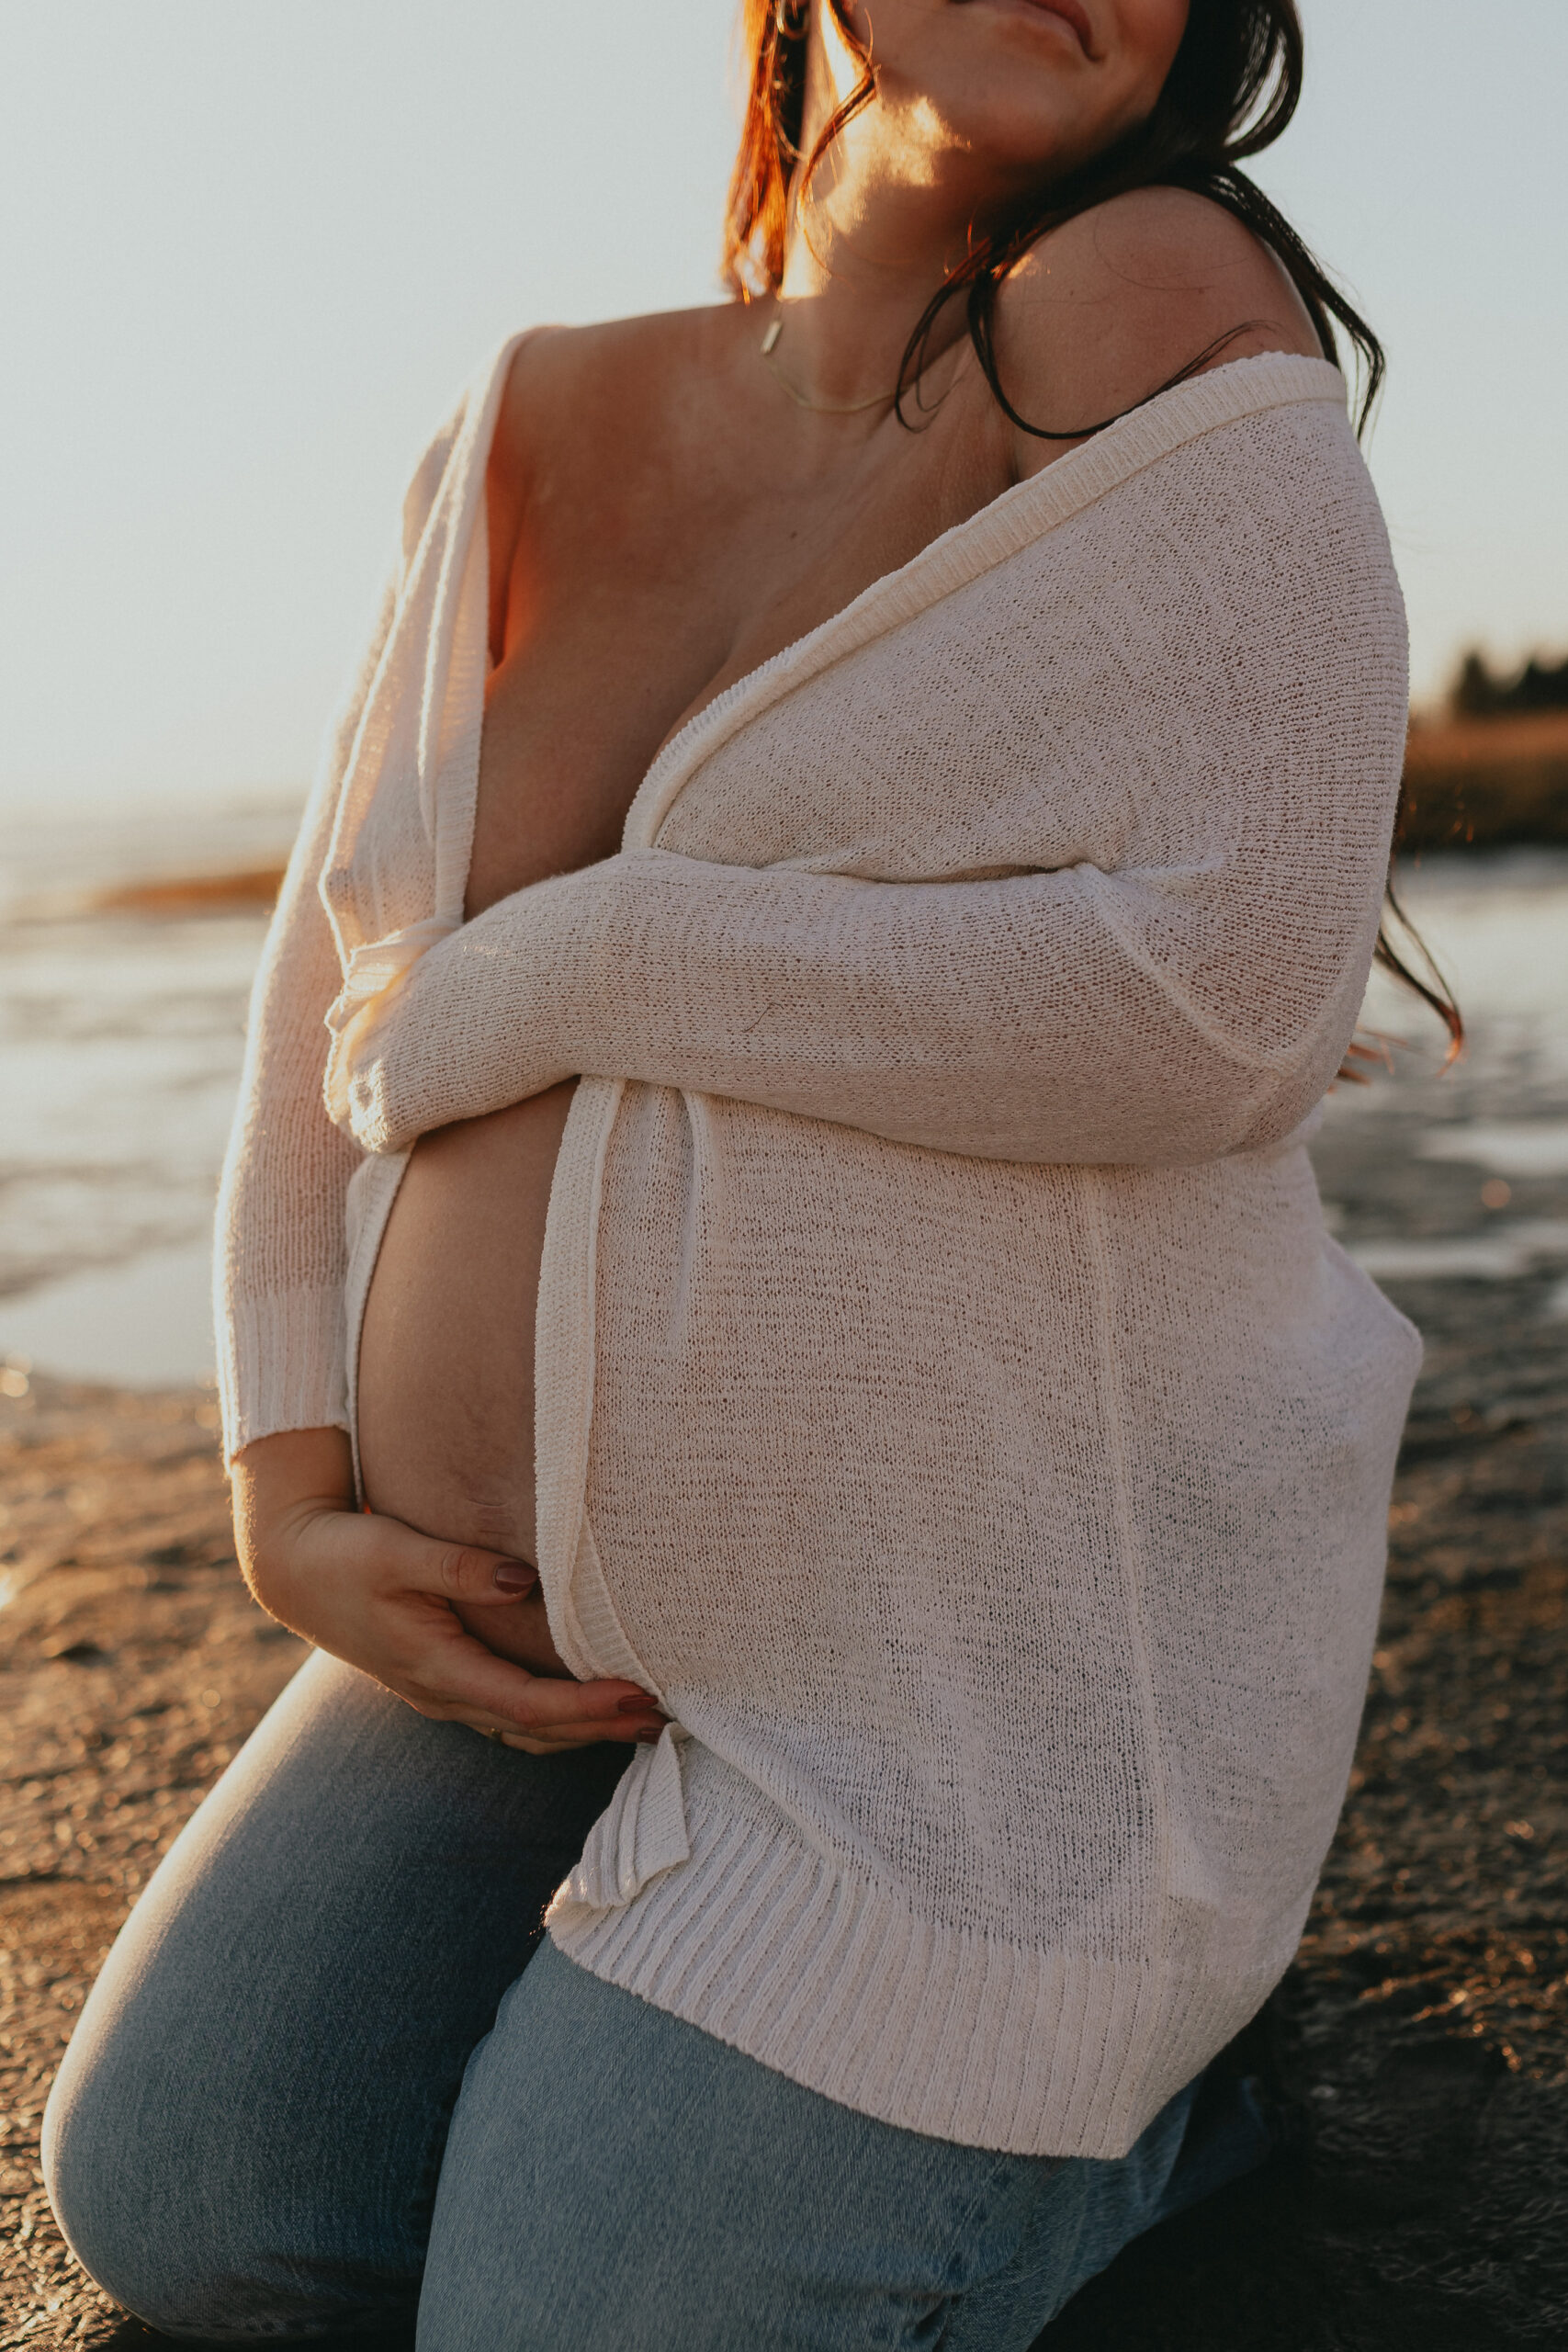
{"x":1166,"y":969}
{"x":1016,"y":1019}
{"x":273,"y":1481}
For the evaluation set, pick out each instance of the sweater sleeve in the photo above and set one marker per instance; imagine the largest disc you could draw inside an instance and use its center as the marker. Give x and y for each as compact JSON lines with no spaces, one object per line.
{"x":280,"y":1256}
{"x":1044,"y":1017}
{"x":280,"y":1260}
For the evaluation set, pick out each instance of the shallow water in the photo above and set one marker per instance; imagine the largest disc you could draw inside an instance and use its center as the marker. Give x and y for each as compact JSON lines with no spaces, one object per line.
{"x":120,"y":1039}
{"x":1460,"y":1174}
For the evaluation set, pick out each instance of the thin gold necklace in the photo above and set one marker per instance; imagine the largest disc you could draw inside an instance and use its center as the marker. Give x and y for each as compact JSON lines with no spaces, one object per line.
{"x":818,"y":408}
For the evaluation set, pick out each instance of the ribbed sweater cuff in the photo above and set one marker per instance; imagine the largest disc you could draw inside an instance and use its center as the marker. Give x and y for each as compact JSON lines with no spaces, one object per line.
{"x":281,"y":1365}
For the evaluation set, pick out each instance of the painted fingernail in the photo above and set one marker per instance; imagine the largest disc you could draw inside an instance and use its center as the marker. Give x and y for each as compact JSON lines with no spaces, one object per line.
{"x":515,"y":1575}
{"x":641,"y":1705}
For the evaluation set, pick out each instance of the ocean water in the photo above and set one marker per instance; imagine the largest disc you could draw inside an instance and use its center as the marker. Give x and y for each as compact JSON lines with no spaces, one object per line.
{"x":120,"y":1039}
{"x":1460,"y":1175}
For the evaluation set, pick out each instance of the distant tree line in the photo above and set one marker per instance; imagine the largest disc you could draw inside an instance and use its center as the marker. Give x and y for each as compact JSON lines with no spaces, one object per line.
{"x":1489,"y":788}
{"x":1479,"y":692}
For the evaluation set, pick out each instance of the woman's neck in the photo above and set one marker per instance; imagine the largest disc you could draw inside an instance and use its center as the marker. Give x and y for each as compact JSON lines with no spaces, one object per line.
{"x":887,"y":215}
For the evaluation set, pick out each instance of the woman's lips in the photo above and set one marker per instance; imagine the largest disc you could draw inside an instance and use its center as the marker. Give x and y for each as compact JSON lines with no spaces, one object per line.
{"x":1071,"y":14}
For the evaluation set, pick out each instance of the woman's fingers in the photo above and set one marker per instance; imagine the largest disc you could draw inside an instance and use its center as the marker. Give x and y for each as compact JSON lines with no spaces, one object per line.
{"x":454,"y":1675}
{"x":450,"y":1572}
{"x":526,"y":1746}
{"x":393,"y":1601}
{"x":518,"y":1630}
{"x":548,"y":1709}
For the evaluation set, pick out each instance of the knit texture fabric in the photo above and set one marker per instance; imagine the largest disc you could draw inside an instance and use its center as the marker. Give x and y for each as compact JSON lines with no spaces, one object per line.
{"x":950,"y":1403}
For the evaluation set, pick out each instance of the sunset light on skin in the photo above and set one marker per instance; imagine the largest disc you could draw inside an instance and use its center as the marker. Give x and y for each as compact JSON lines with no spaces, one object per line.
{"x":215,"y":255}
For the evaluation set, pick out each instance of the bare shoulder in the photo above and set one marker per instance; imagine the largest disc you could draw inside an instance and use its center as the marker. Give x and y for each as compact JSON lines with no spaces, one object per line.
{"x":568,"y":387}
{"x":572,"y":398}
{"x":1106,"y":308}
{"x":560,"y":382}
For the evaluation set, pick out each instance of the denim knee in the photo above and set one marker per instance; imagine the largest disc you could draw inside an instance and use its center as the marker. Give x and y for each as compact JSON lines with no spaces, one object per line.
{"x":120,"y":2204}
{"x":184,"y":2199}
{"x":247,"y":2134}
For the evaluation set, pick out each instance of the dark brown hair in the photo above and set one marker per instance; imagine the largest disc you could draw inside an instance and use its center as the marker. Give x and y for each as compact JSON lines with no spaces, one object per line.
{"x":1235,"y":85}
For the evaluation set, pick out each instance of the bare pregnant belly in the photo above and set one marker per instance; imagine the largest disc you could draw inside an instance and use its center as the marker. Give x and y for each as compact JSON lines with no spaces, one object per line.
{"x":445,"y":1399}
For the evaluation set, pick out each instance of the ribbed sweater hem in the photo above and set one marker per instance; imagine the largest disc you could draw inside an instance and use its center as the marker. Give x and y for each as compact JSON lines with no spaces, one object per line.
{"x":785,"y":1954}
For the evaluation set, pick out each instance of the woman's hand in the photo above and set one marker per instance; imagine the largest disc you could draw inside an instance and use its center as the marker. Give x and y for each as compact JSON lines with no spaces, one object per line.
{"x":386,"y":1599}
{"x":515,"y":1628}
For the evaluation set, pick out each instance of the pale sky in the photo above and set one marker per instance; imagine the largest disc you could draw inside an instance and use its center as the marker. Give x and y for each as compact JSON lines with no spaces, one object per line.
{"x":248,"y":250}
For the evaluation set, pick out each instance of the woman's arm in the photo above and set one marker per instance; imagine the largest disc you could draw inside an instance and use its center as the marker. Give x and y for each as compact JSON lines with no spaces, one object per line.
{"x":410,"y":1610}
{"x":281,"y":1256}
{"x":1022,"y":1019}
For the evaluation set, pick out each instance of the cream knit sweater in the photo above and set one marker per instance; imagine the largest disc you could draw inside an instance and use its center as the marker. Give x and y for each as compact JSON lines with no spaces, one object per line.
{"x":950,"y":1402}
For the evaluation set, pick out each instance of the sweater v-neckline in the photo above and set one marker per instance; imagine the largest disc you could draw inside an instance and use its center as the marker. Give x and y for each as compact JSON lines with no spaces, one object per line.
{"x":1006,"y":525}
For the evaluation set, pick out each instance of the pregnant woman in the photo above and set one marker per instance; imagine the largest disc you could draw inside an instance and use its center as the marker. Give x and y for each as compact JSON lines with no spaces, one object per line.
{"x":769,"y":1267}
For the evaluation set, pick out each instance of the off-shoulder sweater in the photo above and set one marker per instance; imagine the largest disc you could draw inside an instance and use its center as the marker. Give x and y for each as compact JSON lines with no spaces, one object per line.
{"x":951,"y":1405}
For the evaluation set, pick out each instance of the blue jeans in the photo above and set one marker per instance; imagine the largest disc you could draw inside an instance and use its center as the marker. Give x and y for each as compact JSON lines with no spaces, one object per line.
{"x":319,"y":2082}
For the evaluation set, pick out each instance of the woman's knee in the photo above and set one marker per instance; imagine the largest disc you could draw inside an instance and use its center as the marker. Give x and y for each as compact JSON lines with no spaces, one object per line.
{"x":181,"y":2197}
{"x":117,"y":2149}
{"x":184,"y":2109}
{"x":237,"y":2126}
